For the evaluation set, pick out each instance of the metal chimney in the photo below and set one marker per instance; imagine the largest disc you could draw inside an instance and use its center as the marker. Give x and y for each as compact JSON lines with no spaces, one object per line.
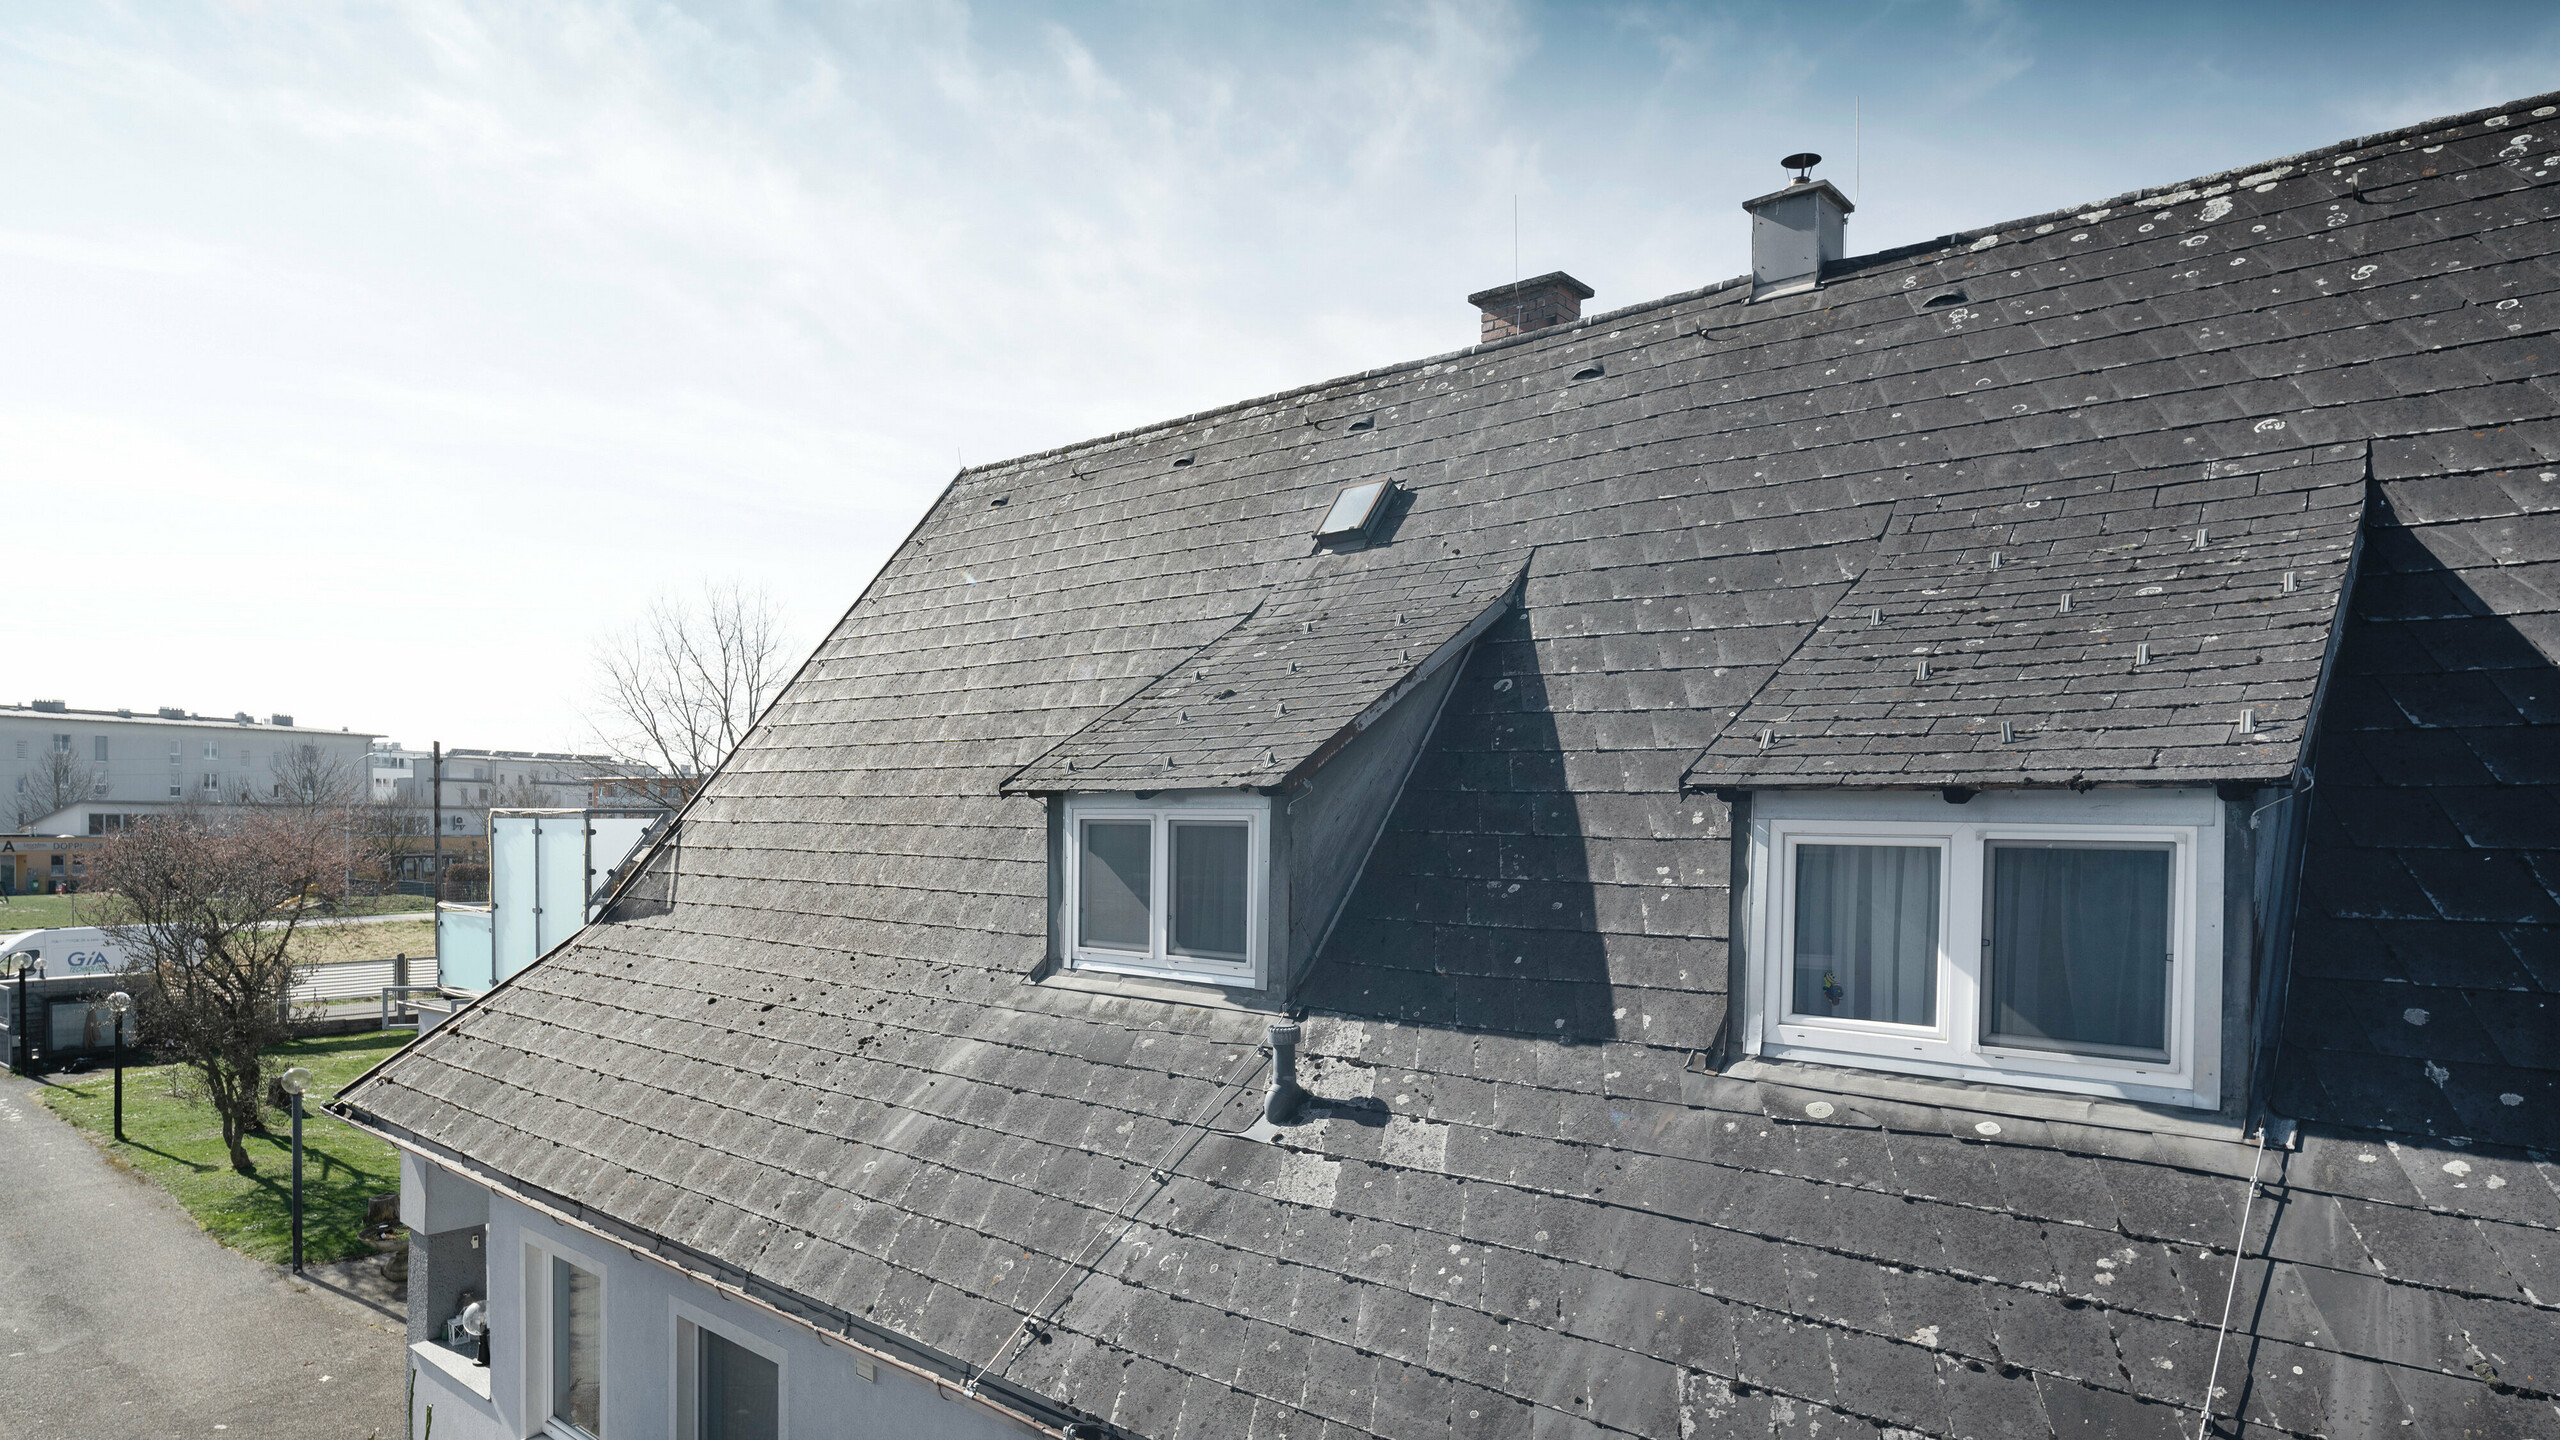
{"x":1796,"y":231}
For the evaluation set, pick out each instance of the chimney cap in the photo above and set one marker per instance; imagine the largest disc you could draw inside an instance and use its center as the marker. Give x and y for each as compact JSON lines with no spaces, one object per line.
{"x":1552,"y":280}
{"x":1801,"y":162}
{"x":1802,"y":187}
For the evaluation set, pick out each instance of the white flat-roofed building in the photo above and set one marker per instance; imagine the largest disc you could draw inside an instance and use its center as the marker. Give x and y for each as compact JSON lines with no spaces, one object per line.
{"x":66,"y":771}
{"x":474,"y":780}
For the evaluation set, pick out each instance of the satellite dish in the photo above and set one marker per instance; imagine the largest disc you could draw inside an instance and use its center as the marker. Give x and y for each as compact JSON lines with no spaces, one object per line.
{"x":1801,"y":162}
{"x":475,"y":1321}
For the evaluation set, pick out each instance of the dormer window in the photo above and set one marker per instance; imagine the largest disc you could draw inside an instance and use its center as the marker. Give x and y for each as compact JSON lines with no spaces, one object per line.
{"x":1168,"y":885}
{"x":2048,"y":940}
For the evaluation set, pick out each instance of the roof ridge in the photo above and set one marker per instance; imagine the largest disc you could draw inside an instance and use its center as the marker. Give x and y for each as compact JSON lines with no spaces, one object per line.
{"x":2230,"y":174}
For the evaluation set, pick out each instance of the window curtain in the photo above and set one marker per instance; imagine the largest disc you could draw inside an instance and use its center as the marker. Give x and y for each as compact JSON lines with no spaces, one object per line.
{"x":577,"y":1348}
{"x":1866,"y":944}
{"x":1209,"y":890}
{"x":1114,"y":880}
{"x":2080,"y":948}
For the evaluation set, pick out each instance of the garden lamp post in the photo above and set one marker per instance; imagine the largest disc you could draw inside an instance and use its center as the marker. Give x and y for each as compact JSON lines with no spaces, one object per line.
{"x":295,"y":1081}
{"x":21,"y":1050}
{"x":119,"y":1005}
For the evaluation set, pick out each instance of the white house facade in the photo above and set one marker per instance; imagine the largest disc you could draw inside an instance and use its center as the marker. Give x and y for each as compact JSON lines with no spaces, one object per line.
{"x":591,"y":1338}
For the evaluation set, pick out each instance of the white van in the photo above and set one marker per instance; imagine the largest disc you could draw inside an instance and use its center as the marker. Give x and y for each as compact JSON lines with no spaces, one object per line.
{"x":68,"y":952}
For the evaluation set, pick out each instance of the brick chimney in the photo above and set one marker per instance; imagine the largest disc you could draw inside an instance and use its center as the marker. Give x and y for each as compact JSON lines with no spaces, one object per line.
{"x":1554,"y":298}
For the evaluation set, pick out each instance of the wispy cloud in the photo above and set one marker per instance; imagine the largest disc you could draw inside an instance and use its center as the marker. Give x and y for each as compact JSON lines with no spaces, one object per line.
{"x":481,"y":321}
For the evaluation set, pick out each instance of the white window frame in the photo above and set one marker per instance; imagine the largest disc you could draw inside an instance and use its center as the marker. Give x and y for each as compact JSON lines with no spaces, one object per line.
{"x":1162,"y":811}
{"x":539,"y":1252}
{"x":690,"y":1321}
{"x":2186,"y":821}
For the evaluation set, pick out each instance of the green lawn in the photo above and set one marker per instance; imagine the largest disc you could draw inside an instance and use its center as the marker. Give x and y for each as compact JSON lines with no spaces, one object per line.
{"x":38,"y":912}
{"x":178,"y":1145}
{"x":48,"y":912}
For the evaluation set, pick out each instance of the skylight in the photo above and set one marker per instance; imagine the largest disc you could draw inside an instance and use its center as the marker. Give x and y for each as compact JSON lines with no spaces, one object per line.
{"x":1355,"y":510}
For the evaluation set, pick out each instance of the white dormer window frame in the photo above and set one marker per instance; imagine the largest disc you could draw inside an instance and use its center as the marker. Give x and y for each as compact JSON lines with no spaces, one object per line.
{"x":1938,"y":861}
{"x":1113,"y":929}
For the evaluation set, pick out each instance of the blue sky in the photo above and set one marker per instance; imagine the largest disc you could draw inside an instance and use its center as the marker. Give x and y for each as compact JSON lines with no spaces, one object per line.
{"x":367,"y":361}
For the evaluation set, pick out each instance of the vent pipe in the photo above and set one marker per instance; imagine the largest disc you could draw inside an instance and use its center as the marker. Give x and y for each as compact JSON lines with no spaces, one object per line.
{"x":1286,"y":1093}
{"x":1796,"y":231}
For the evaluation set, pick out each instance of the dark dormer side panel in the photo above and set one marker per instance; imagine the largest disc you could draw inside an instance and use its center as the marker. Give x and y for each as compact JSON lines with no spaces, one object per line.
{"x":1332,"y":823}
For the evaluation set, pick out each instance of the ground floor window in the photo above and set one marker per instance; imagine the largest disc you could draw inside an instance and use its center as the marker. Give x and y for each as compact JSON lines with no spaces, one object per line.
{"x":2054,"y":940}
{"x":565,"y":1310}
{"x":728,"y":1383}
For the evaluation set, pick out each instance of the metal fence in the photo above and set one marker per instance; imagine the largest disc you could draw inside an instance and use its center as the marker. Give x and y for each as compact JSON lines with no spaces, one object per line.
{"x":347,"y":980}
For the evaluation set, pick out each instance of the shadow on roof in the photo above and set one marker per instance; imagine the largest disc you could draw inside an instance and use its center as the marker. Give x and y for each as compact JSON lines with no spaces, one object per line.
{"x":2425,"y":990}
{"x":1477,"y":909}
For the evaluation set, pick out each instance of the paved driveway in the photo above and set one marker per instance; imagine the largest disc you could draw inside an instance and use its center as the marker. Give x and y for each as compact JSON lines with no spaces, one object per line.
{"x":119,"y":1318}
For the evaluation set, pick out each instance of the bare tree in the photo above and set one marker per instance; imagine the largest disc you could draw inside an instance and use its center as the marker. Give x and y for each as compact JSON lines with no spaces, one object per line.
{"x":204,"y":900}
{"x":679,"y":688}
{"x":394,"y":825}
{"x":61,"y":779}
{"x":314,"y":777}
{"x":521,"y":792}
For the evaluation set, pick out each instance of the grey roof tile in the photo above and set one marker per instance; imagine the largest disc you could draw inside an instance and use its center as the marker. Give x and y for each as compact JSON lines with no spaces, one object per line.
{"x":1606,"y":1242}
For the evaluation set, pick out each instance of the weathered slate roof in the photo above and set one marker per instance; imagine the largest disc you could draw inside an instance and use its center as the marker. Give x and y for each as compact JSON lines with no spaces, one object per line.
{"x":2426,"y":984}
{"x":823,"y":1070}
{"x":2119,"y":632}
{"x":1317,"y":661}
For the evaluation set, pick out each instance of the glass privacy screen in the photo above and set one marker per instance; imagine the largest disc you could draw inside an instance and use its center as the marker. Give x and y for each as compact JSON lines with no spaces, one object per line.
{"x":2079,"y":949}
{"x":1866,"y":941}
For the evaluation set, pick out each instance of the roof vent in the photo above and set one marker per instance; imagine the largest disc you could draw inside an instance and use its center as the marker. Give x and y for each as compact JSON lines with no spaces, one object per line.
{"x":172,"y":712}
{"x":1943,"y":299}
{"x":1592,"y":371}
{"x":1364,"y":422}
{"x":1356,"y":511}
{"x":284,"y":720}
{"x":1180,"y":461}
{"x":1796,"y":231}
{"x":50,"y":707}
{"x":1536,"y":303}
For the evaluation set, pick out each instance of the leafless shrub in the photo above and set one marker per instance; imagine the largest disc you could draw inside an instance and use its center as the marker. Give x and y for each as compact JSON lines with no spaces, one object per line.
{"x":207,"y":901}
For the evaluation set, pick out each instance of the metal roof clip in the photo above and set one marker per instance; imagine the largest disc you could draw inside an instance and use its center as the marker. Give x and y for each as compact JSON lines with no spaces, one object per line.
{"x":1766,"y":734}
{"x":2007,"y":737}
{"x":1995,"y":559}
{"x":2066,"y":603}
{"x":2200,"y":537}
{"x":2290,"y":583}
{"x":2248,"y":722}
{"x":1923,"y":671}
{"x":2142,"y":654}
